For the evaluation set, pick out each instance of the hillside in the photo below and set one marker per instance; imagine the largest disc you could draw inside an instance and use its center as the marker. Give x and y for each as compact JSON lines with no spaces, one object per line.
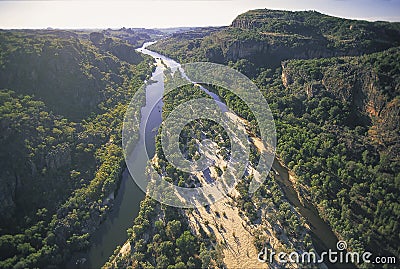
{"x":62,"y":100}
{"x":351,"y":107}
{"x":35,"y":63}
{"x":263,"y":38}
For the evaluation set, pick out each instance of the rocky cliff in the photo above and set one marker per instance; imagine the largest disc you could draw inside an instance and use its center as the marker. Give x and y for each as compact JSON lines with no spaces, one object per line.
{"x":266,"y":37}
{"x":121,"y":50}
{"x":67,"y":73}
{"x":368,"y":85}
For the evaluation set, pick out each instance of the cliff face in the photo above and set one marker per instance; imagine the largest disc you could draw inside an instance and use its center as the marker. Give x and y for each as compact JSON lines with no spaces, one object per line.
{"x":7,"y":189}
{"x":58,"y":157}
{"x":271,"y":53}
{"x":36,"y":155}
{"x":360,"y":84}
{"x":355,"y":100}
{"x":274,"y":36}
{"x":266,"y":37}
{"x":122,"y":51}
{"x":15,"y":180}
{"x":69,"y":74}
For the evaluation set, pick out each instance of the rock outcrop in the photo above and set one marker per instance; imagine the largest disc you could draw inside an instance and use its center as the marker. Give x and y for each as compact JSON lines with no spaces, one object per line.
{"x":267,"y":37}
{"x":59,"y":157}
{"x":373,"y":101}
{"x":8,"y":184}
{"x":121,"y":50}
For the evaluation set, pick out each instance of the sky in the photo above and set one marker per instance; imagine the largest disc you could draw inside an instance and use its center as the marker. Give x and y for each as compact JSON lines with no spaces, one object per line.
{"x":73,"y":14}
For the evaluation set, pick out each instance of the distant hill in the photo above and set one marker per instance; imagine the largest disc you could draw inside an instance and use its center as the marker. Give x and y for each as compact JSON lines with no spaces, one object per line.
{"x":266,"y":37}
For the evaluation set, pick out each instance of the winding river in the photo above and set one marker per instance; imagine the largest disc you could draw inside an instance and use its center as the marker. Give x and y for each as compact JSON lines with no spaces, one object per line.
{"x":112,"y":232}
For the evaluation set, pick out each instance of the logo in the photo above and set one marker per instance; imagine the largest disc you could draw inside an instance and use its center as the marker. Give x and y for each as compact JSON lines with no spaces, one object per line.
{"x":341,"y":245}
{"x":340,"y":255}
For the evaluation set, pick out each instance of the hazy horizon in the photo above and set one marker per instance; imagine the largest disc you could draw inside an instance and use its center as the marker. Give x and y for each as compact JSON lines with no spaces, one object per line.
{"x":93,"y":14}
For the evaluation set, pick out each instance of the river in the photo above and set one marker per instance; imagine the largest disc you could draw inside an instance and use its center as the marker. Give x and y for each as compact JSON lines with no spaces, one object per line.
{"x":112,"y":232}
{"x":321,"y":233}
